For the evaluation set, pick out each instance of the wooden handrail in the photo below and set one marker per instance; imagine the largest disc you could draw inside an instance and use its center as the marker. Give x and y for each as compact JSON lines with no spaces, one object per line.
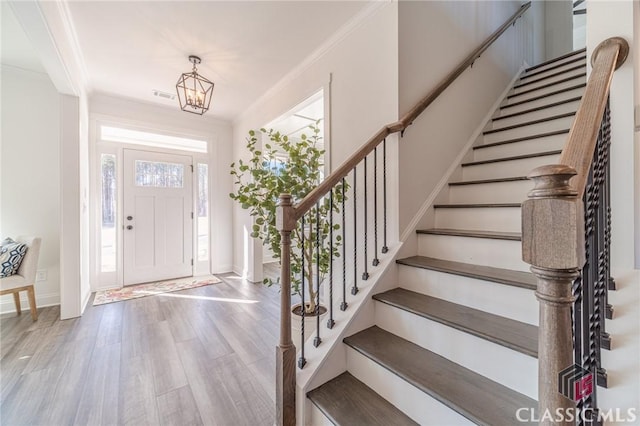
{"x":399,"y":126}
{"x":578,"y":151}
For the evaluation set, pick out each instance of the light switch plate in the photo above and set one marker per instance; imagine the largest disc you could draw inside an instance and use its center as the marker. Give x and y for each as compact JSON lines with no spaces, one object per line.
{"x":41,"y":275}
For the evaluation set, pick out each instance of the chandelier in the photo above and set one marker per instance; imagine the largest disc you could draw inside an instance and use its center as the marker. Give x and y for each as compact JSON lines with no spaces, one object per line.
{"x":194,"y":91}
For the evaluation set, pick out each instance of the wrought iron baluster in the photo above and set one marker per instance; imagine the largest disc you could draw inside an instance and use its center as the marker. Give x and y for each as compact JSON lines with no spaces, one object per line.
{"x":302,"y":361}
{"x":354,"y":289}
{"x":365,"y":274}
{"x":384,"y":195}
{"x":330,"y":321}
{"x":317,"y":340}
{"x":376,"y":261}
{"x":343,"y":305}
{"x":589,"y":277}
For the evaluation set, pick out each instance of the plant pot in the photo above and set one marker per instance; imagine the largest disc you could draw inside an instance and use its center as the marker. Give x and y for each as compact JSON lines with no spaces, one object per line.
{"x":310,"y":324}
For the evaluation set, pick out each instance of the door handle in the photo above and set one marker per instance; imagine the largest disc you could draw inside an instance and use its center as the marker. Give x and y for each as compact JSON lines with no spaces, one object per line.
{"x":129,"y":227}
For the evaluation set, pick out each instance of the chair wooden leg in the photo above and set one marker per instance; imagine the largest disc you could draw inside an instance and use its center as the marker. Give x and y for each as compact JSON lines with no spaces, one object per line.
{"x":32,"y":303}
{"x":16,"y":300}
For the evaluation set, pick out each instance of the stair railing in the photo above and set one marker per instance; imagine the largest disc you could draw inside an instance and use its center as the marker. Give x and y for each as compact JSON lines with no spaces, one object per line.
{"x":566,"y":238}
{"x":302,"y":216}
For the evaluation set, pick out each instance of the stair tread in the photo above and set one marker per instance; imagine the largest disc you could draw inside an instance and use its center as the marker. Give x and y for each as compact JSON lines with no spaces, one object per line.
{"x":522,"y":139}
{"x":529,"y":123}
{"x":487,"y":273}
{"x":475,"y":205}
{"x":476,"y":397}
{"x":533,"y":72}
{"x":481,"y":181}
{"x":554,"y":74}
{"x":540,"y":108}
{"x":559,"y":58}
{"x":515,"y":157}
{"x":512,"y":236}
{"x":512,"y":334}
{"x":546,"y":95}
{"x":345,"y":400}
{"x":545,"y":86}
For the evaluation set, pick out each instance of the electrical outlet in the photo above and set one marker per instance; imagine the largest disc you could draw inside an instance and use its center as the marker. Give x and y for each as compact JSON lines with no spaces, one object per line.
{"x":41,"y":275}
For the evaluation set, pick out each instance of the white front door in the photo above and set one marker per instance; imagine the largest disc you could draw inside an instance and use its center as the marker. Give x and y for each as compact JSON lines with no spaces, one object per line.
{"x":158,"y":230}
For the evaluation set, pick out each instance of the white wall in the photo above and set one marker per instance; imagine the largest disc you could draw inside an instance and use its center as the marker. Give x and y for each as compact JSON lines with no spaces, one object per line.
{"x":155,"y":117}
{"x":606,"y":19}
{"x":558,"y":28}
{"x":364,"y":82}
{"x":30,"y":172}
{"x":431,"y":144}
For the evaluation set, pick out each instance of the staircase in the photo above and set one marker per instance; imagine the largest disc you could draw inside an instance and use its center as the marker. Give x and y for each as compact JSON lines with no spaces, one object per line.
{"x":456,"y":342}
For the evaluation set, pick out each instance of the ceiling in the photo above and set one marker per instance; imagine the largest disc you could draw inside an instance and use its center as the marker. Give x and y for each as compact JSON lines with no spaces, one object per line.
{"x":134,"y":47}
{"x":16,"y":49}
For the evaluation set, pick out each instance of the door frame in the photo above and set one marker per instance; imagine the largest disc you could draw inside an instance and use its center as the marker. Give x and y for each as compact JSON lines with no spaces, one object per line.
{"x":97,"y":147}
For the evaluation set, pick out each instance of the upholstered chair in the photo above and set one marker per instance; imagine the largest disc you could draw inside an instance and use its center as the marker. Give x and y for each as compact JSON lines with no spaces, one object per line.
{"x":26,"y":276}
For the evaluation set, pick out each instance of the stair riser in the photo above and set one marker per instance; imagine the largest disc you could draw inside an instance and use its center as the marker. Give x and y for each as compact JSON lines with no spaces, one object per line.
{"x":421,"y":407}
{"x":317,"y":417}
{"x":558,"y":62}
{"x":496,"y":192}
{"x":480,"y":251}
{"x":535,"y":74}
{"x":500,"y":219}
{"x":511,"y":168}
{"x":541,"y":102}
{"x":476,"y":293}
{"x":542,"y":82}
{"x":475,"y":353}
{"x":529,"y":130}
{"x":532,"y":146}
{"x":545,"y":90}
{"x":535,"y":115}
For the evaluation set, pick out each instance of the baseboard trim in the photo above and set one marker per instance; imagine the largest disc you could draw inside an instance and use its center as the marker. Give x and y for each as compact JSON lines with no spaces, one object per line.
{"x":42,"y":301}
{"x":410,"y":229}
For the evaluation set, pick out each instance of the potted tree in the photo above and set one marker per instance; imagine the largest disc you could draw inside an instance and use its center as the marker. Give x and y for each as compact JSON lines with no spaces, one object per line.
{"x":294,"y":167}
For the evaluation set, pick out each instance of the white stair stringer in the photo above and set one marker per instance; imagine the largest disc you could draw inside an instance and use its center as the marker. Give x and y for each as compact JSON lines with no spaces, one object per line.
{"x":416,"y":404}
{"x":472,"y":352}
{"x":475,"y":293}
{"x":327,"y":360}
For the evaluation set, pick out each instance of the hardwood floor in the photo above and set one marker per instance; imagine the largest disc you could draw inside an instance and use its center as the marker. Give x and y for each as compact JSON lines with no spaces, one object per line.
{"x":204,"y":356}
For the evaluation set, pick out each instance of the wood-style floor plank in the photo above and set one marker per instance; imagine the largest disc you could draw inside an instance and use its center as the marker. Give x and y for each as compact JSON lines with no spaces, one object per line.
{"x":178,"y":408}
{"x":199,"y":356}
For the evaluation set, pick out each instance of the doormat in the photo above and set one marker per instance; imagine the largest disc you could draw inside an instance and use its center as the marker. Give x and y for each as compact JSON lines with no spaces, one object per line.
{"x":149,"y":289}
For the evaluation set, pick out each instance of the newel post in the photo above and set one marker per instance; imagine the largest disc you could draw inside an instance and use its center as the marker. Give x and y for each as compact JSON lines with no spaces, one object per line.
{"x":553,"y":244}
{"x":285,"y":351}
